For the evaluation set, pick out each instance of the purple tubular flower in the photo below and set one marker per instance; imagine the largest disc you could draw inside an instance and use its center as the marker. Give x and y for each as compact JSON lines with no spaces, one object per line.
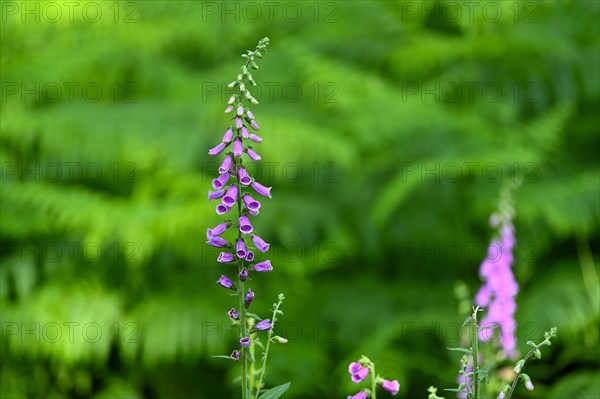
{"x":391,"y":386}
{"x":222,"y":209}
{"x":235,"y":355}
{"x":256,"y":138}
{"x":216,"y":241}
{"x":229,"y":109}
{"x":228,"y":136}
{"x":249,"y":297}
{"x":264,"y":266}
{"x":212,"y":195}
{"x":225,"y":165}
{"x":262,"y":190}
{"x":217,"y":230}
{"x":358,"y":372}
{"x":233,"y":314}
{"x":260,"y":244}
{"x":243,"y":274}
{"x":240,"y":249}
{"x":253,"y":155}
{"x":216,"y":150}
{"x":237,"y":148}
{"x":238,"y":122}
{"x":250,"y":114}
{"x":360,"y":395}
{"x":231,"y":196}
{"x":251,"y":203}
{"x":245,"y":342}
{"x":245,"y":226}
{"x":263,"y":325}
{"x":244,"y":178}
{"x":226,"y":282}
{"x":249,"y":256}
{"x":225,"y":257}
{"x":240,"y":110}
{"x":245,"y":133}
{"x":254,"y":125}
{"x":220,"y":181}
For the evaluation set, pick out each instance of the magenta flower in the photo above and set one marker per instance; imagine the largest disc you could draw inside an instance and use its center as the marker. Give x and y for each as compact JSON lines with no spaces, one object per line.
{"x":216,"y":241}
{"x":250,"y":114}
{"x":227,"y":136}
{"x":217,"y":149}
{"x":229,"y":109}
{"x":245,"y":226}
{"x":254,"y":125}
{"x":360,"y":395}
{"x":220,"y":181}
{"x":263,"y":325}
{"x":213,"y":195}
{"x":240,"y":110}
{"x":262,"y":190}
{"x":245,"y":342}
{"x":253,"y":155}
{"x":231,"y":196}
{"x":237,"y":148}
{"x":231,"y":100}
{"x":217,"y":230}
{"x":244,"y":178}
{"x":225,"y":165}
{"x":226,"y":282}
{"x":233,"y":314}
{"x":263,"y":266}
{"x":260,"y":244}
{"x":244,"y":132}
{"x":358,"y":372}
{"x":225,"y":257}
{"x":249,"y":256}
{"x":391,"y":386}
{"x":238,"y":122}
{"x":243,"y":274}
{"x":251,"y":203}
{"x":249,"y":297}
{"x":222,"y":209}
{"x":256,"y":138}
{"x":240,"y":249}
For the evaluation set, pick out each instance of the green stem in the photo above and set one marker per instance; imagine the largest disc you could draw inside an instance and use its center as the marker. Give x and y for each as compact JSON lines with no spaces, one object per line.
{"x":513,"y":386}
{"x":475,"y":343}
{"x":373,"y":382}
{"x":266,"y":352}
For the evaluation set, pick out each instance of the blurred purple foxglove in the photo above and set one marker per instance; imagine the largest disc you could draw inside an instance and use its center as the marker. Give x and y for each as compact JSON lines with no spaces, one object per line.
{"x":220,"y":181}
{"x":263,"y":325}
{"x":358,"y":372}
{"x":229,"y":109}
{"x":233,"y":314}
{"x":217,"y":230}
{"x":216,"y":241}
{"x":253,"y":155}
{"x":245,"y":342}
{"x":238,"y":150}
{"x":249,"y":297}
{"x":251,"y":203}
{"x":240,"y":110}
{"x":244,"y":178}
{"x":225,"y":165}
{"x":243,"y":274}
{"x":391,"y":386}
{"x":228,"y":136}
{"x":256,"y":138}
{"x":260,"y":244}
{"x":226,"y":282}
{"x":264,"y":266}
{"x":250,"y":114}
{"x":235,"y":355}
{"x":240,"y":249}
{"x":216,"y":150}
{"x":254,"y":125}
{"x":213,"y":195}
{"x":238,"y":122}
{"x":245,"y":226}
{"x":231,"y":196}
{"x":225,"y":257}
{"x":249,"y":256}
{"x":262,"y":190}
{"x":244,"y":132}
{"x":222,"y":209}
{"x":360,"y":395}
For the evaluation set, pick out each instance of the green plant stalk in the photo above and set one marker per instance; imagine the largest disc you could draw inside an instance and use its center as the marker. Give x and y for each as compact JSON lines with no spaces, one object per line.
{"x":242,"y":306}
{"x":263,"y":371}
{"x":529,"y":354}
{"x":373,"y":382}
{"x":475,"y":343}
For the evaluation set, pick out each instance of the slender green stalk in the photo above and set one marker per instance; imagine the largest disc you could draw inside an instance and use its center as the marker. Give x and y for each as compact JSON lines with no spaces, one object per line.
{"x":475,"y":344}
{"x":269,"y":337}
{"x":243,"y":323}
{"x":373,"y":382}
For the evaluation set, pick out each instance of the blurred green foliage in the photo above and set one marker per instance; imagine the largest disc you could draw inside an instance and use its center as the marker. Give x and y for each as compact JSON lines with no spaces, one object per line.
{"x":389,"y":130}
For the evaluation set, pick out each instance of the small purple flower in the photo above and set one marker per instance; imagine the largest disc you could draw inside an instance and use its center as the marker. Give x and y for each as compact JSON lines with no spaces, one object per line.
{"x":231,"y":196}
{"x":226,"y":282}
{"x":253,"y":155}
{"x":216,"y":241}
{"x":235,"y":355}
{"x":238,"y":122}
{"x":228,"y":136}
{"x":244,"y":274}
{"x":263,"y":325}
{"x":249,"y":256}
{"x":250,"y":114}
{"x":244,"y":132}
{"x":216,"y":150}
{"x":251,"y":203}
{"x":254,"y":125}
{"x":256,"y":138}
{"x":217,"y":230}
{"x":245,"y":226}
{"x":212,"y":195}
{"x":229,"y":109}
{"x":262,"y":190}
{"x":222,"y":209}
{"x":245,"y":342}
{"x":360,"y":395}
{"x":225,"y":165}
{"x":233,"y":314}
{"x":244,"y":178}
{"x":264,"y":266}
{"x":249,"y":297}
{"x":237,"y":148}
{"x":391,"y":386}
{"x":240,"y":249}
{"x":240,"y":110}
{"x":220,"y":181}
{"x":231,"y":100}
{"x":225,"y":257}
{"x":358,"y":372}
{"x":260,"y":244}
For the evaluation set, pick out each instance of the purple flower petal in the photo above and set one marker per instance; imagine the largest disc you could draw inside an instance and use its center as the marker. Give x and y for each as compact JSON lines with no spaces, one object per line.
{"x":251,"y":203}
{"x":216,"y":150}
{"x":226,"y":282}
{"x":245,"y":342}
{"x":249,"y":297}
{"x":225,"y":165}
{"x":229,"y":109}
{"x":244,"y":132}
{"x":245,"y":225}
{"x":228,"y":136}
{"x":212,"y":195}
{"x":262,"y":190}
{"x":249,"y":256}
{"x":216,"y":241}
{"x":235,"y":355}
{"x":263,"y":266}
{"x":238,"y":122}
{"x":231,"y":100}
{"x":240,"y":249}
{"x":253,"y":155}
{"x":243,"y":274}
{"x":240,"y":110}
{"x":256,"y":138}
{"x":391,"y":386}
{"x":233,"y":314}
{"x":217,"y":230}
{"x":260,"y":244}
{"x":360,"y":395}
{"x":250,"y":114}
{"x":225,"y":257}
{"x":244,"y":177}
{"x":222,"y":209}
{"x":231,"y":196}
{"x":254,"y":125}
{"x":220,"y":181}
{"x":237,"y":148}
{"x":263,"y":325}
{"x":354,"y":367}
{"x":360,"y":375}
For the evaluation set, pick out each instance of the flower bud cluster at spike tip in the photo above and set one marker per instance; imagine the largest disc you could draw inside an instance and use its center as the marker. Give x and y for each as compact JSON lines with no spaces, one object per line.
{"x":233,"y":192}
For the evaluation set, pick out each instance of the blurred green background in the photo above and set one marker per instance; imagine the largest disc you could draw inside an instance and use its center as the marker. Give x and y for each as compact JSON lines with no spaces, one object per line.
{"x":389,"y":131}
